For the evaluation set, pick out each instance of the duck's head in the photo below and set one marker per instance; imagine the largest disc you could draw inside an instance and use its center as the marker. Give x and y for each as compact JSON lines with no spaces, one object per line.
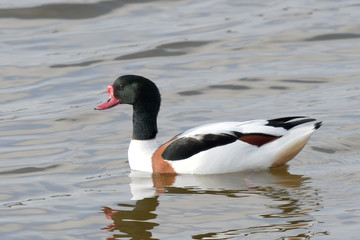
{"x":134,"y":90}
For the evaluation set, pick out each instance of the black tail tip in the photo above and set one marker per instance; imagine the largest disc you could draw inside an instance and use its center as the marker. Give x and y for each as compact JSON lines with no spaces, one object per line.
{"x":317,"y":125}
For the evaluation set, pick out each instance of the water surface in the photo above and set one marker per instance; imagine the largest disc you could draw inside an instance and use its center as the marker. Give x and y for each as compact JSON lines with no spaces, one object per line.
{"x":64,"y":170}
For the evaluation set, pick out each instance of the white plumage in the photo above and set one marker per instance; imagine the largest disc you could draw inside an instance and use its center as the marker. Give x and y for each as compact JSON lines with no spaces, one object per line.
{"x":233,"y":157}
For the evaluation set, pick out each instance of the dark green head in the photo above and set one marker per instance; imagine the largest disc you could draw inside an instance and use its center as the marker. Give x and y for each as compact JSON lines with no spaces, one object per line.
{"x":145,"y":98}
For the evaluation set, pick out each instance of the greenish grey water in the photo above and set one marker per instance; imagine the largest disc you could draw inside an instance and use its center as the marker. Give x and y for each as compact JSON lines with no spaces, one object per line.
{"x":64,"y":171}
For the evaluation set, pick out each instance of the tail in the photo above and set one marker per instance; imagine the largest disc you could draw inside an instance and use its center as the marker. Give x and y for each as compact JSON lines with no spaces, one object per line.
{"x":288,"y":146}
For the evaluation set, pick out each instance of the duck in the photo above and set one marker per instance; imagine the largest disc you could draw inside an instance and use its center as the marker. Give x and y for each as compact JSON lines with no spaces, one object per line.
{"x":213,"y":148}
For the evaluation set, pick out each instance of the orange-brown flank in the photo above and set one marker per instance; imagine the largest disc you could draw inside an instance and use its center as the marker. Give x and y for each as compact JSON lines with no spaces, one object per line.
{"x":159,"y":165}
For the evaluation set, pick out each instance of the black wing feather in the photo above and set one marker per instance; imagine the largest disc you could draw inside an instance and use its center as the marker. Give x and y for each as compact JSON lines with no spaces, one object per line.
{"x":186,"y":147}
{"x":287,"y":123}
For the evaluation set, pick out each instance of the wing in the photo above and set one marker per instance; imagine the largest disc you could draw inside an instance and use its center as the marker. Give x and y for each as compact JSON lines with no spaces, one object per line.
{"x":256,"y":133}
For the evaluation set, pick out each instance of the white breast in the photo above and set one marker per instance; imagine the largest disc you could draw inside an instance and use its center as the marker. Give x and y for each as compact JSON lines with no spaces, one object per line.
{"x":140,"y":153}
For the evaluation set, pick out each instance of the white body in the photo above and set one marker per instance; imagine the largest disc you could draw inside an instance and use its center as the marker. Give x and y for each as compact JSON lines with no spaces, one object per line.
{"x":234,"y":157}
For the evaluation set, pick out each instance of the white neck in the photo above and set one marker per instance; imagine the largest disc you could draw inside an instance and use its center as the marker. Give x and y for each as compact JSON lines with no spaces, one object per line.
{"x":140,"y":153}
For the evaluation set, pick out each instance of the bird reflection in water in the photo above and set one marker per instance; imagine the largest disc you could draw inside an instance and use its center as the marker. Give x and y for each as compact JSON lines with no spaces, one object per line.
{"x":133,"y":222}
{"x":137,"y":221}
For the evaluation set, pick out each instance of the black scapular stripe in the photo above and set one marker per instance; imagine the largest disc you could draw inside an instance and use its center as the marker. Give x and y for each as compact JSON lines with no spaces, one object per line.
{"x":186,"y":147}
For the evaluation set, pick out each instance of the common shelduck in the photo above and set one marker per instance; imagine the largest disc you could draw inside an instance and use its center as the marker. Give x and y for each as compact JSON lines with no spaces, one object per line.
{"x":213,"y":148}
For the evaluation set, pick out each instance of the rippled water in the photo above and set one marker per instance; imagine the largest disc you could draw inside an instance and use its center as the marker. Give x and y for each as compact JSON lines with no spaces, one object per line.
{"x":64,"y":171}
